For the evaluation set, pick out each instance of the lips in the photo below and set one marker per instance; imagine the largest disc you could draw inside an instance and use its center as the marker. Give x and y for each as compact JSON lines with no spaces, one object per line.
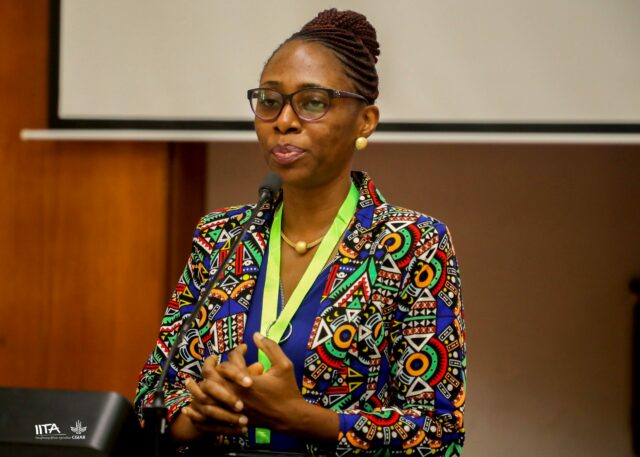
{"x":285,"y":154}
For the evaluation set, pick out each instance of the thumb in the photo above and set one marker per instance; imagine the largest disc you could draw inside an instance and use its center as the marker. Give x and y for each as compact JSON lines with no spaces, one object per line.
{"x":255,"y":369}
{"x":273,"y":351}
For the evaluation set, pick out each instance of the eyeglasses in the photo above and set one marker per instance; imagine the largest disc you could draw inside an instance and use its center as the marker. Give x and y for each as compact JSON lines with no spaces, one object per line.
{"x":309,"y":104}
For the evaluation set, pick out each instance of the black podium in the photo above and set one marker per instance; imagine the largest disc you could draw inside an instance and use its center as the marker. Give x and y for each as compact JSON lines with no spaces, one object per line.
{"x":55,"y":423}
{"x":38,"y":422}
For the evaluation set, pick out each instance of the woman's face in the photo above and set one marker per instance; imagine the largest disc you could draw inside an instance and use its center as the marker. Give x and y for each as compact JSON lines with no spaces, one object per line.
{"x":311,"y":153}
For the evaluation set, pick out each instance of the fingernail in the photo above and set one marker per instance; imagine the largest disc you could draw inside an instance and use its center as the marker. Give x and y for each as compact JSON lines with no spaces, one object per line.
{"x":246,"y":381}
{"x":239,"y":405}
{"x":243,"y":420}
{"x":260,"y":336}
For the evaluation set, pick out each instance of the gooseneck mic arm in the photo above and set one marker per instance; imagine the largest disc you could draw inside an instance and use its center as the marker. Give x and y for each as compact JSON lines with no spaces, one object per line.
{"x":155,"y":415}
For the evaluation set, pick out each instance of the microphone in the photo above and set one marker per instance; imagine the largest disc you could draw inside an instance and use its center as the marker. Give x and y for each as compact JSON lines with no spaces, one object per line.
{"x":269,"y":188}
{"x":155,"y":416}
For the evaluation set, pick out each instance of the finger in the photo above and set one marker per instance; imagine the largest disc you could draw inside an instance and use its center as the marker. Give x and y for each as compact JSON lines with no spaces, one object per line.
{"x":235,"y":374}
{"x":216,"y":376}
{"x":273,"y":352}
{"x":220,"y":394}
{"x":196,"y":392}
{"x":222,"y":415}
{"x":209,"y":365}
{"x":193,"y":414}
{"x":204,"y":423}
{"x":210,"y":414}
{"x":220,"y":389}
{"x":255,"y":369}
{"x":236,"y":356}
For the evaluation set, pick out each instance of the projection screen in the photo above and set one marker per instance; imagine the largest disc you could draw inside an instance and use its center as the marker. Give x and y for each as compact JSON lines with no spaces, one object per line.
{"x":497,"y":65}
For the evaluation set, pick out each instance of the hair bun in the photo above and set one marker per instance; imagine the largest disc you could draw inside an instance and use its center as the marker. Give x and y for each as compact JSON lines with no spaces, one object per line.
{"x":348,"y":21}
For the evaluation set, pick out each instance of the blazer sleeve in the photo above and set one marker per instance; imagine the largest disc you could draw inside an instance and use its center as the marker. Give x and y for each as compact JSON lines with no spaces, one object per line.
{"x":187,"y":362}
{"x":427,"y":358}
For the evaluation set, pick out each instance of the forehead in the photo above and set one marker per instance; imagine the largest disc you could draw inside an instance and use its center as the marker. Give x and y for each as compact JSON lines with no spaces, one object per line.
{"x":300,"y":63}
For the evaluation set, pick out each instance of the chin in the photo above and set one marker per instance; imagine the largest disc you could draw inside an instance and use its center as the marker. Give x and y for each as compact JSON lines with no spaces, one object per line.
{"x":294,"y":176}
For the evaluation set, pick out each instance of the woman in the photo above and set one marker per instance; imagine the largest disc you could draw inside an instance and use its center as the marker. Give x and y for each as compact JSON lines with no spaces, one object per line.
{"x":360,"y":299}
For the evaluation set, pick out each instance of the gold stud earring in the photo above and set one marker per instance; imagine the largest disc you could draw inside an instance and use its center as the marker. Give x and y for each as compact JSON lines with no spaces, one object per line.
{"x":361,"y":143}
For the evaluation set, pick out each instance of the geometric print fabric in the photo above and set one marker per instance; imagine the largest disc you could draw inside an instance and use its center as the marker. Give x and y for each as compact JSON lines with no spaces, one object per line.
{"x":387,"y":351}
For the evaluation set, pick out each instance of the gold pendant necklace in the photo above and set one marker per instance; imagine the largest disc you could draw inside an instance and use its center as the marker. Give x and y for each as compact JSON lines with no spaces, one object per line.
{"x":302,"y":247}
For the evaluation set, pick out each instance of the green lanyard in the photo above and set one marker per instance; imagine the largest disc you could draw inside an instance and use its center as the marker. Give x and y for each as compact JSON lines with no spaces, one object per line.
{"x":271,"y":322}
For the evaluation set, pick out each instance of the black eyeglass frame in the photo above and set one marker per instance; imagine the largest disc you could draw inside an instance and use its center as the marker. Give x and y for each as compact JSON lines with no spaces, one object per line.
{"x":286,"y":98}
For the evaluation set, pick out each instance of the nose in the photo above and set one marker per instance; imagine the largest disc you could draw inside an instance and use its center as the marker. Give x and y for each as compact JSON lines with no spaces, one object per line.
{"x":287,"y":121}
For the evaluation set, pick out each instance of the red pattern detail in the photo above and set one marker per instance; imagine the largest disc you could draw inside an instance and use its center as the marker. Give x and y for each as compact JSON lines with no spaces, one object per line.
{"x":223,"y":255}
{"x":204,"y":243}
{"x":442,"y":257}
{"x":332,"y":277}
{"x":374,"y":194}
{"x":239,"y":259}
{"x":383,"y":421}
{"x":414,"y":233}
{"x":443,"y":361}
{"x":327,"y":358}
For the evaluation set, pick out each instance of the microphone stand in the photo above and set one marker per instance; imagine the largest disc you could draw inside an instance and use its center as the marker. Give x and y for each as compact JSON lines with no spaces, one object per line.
{"x":155,"y":415}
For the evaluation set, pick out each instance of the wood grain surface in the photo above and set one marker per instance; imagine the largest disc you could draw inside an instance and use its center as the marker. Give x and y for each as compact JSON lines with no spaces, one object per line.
{"x":86,"y":232}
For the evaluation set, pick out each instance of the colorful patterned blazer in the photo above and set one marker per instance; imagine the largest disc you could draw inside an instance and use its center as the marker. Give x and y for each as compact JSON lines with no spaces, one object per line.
{"x":387,"y":351}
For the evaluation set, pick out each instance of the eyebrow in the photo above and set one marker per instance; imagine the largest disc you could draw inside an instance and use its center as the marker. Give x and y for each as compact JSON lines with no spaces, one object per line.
{"x":301,"y":86}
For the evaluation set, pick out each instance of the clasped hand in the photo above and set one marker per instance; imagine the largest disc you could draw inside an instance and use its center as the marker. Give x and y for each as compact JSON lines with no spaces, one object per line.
{"x":232,"y":395}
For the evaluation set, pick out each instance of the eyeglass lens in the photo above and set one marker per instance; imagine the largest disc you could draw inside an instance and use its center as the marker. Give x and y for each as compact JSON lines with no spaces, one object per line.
{"x":308,"y":104}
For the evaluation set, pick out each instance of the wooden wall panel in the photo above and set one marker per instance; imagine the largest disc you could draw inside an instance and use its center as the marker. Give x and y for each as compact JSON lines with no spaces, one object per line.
{"x":85,"y":234}
{"x":186,"y":204}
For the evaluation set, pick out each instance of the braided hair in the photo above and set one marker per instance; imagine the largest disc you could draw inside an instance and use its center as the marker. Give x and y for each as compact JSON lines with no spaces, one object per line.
{"x":353,"y":40}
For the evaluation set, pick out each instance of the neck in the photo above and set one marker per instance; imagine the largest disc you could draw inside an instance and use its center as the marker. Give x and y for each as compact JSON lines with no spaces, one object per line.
{"x":309,"y":212}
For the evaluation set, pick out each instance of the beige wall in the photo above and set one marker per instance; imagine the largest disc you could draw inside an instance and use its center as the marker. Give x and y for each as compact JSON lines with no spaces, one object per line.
{"x":548,"y":240}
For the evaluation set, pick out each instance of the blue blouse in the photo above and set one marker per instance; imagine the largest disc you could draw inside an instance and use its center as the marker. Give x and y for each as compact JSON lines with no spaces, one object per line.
{"x":295,"y":347}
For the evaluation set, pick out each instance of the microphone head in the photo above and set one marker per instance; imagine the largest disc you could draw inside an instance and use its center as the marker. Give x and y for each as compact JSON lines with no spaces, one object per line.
{"x":270,"y":186}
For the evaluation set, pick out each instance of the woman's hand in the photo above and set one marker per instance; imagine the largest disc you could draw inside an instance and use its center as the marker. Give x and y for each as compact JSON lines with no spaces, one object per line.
{"x":269,"y":398}
{"x":273,"y":399}
{"x":215,"y":408}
